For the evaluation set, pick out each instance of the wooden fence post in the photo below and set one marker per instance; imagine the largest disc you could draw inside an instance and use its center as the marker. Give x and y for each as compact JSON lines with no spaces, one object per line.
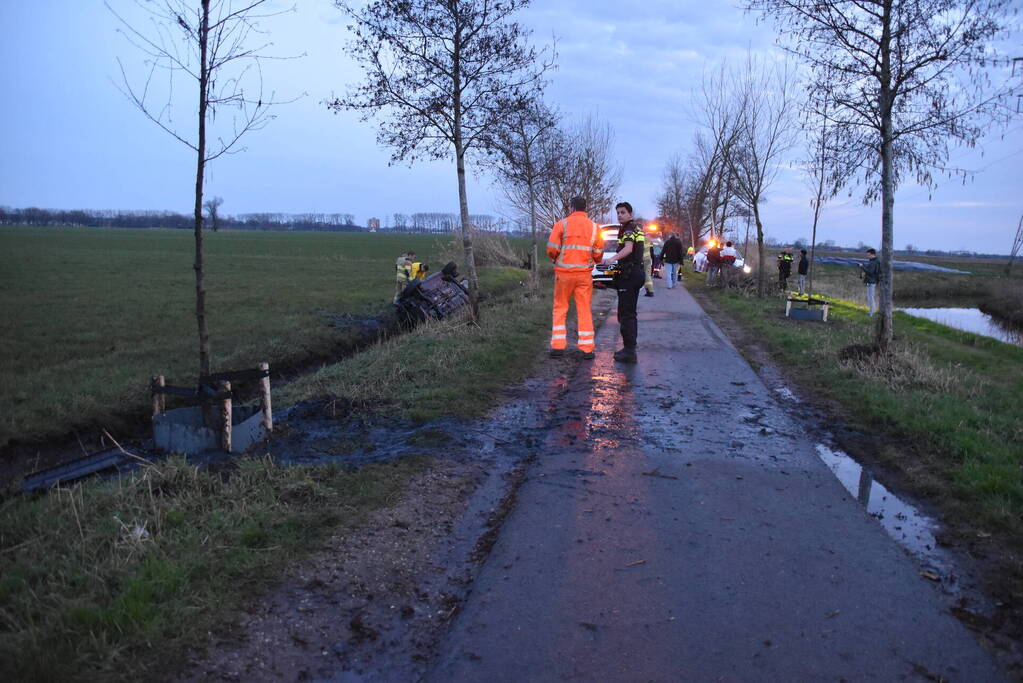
{"x":225,"y":423}
{"x":264,"y":398}
{"x":158,"y":398}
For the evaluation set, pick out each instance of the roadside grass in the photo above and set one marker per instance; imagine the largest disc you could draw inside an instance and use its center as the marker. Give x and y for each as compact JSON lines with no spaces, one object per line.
{"x":441,"y":369}
{"x":89,"y":315}
{"x":955,"y":397}
{"x":117,"y":580}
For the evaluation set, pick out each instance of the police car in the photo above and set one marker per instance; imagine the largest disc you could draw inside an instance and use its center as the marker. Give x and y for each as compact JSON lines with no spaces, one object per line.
{"x":604,"y":274}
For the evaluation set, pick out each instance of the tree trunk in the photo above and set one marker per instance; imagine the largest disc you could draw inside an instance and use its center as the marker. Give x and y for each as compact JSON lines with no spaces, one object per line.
{"x":761,"y":256}
{"x":534,"y":264}
{"x":463,"y":202}
{"x":884,"y":331}
{"x":200,"y":261}
{"x":813,"y":243}
{"x":463,"y":208}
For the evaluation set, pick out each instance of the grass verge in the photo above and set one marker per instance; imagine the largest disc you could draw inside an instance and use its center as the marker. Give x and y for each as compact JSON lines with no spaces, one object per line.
{"x":441,"y":369}
{"x":116,"y":580}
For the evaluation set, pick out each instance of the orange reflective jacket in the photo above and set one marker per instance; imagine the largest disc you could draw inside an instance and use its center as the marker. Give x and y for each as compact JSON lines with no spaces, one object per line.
{"x":575,"y":243}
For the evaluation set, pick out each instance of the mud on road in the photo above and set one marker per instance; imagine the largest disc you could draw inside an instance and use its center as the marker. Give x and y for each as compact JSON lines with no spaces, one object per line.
{"x":374,"y":603}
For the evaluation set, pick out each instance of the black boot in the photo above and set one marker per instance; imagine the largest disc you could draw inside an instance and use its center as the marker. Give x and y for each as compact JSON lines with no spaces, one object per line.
{"x":626,"y":355}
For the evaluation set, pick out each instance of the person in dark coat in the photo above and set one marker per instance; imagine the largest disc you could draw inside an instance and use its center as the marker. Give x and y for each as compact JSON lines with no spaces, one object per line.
{"x":784,"y":268}
{"x":871,"y":276}
{"x":673,"y":255}
{"x":803,"y":268}
{"x":713,"y":262}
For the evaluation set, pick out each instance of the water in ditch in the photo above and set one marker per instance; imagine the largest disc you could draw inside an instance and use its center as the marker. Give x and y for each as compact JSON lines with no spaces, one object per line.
{"x":969,"y":320}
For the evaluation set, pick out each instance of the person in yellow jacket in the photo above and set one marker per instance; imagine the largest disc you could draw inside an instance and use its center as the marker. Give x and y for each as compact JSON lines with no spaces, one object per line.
{"x":574,"y":246}
{"x":418,"y":271}
{"x":403,"y":273}
{"x":648,"y":268}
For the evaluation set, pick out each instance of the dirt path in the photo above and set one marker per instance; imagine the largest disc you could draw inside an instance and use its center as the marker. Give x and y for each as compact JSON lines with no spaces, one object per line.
{"x":678,"y":525}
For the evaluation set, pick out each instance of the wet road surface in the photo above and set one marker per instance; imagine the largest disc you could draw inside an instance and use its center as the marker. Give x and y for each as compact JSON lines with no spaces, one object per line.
{"x":678,"y":526}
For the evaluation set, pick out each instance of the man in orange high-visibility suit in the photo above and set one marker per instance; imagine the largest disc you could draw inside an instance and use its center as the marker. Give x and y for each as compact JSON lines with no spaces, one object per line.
{"x":574,"y":246}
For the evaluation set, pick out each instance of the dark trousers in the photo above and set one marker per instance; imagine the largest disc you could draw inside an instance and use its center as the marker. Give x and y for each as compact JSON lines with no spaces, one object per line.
{"x":628,"y":298}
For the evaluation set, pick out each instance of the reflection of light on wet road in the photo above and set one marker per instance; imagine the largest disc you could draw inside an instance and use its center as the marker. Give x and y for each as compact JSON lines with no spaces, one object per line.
{"x":610,"y":542}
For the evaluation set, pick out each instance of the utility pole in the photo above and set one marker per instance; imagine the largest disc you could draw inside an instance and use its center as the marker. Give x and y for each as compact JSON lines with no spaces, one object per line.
{"x":1016,"y":244}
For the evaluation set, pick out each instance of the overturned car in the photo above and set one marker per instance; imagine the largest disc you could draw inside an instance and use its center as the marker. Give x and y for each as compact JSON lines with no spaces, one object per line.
{"x":438,"y":296}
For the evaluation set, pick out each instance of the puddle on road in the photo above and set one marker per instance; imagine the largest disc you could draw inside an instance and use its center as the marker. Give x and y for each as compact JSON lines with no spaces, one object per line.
{"x":910,"y":528}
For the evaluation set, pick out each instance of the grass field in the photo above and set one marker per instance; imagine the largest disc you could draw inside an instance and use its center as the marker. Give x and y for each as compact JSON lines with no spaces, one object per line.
{"x":89,"y":315}
{"x":119,"y":579}
{"x":946,"y":403}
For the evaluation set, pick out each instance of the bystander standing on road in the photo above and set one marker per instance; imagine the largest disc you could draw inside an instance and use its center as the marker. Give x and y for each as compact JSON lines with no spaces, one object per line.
{"x":784,"y":268}
{"x":656,"y":255}
{"x":574,"y":246}
{"x":803,"y":268}
{"x":871,"y":276}
{"x":673,"y":255}
{"x":629,"y":280}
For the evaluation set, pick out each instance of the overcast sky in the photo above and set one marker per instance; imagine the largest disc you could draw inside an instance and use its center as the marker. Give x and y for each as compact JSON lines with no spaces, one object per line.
{"x":74,"y":141}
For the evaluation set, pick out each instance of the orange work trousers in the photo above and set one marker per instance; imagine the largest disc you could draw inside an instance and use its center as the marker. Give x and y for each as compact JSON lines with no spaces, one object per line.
{"x":569,"y":285}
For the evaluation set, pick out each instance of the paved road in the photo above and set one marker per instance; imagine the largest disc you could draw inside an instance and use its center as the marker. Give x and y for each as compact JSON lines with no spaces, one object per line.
{"x":682,"y":530}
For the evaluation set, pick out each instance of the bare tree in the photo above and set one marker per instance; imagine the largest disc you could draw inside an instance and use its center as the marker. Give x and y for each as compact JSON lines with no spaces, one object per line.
{"x":206,"y":42}
{"x":521,"y":164}
{"x":907,"y":77}
{"x":823,"y":175}
{"x":704,"y":166}
{"x":447,"y":74}
{"x":671,"y":204}
{"x":213,"y":211}
{"x":719,"y":107}
{"x":765,"y":132}
{"x":583,"y":164}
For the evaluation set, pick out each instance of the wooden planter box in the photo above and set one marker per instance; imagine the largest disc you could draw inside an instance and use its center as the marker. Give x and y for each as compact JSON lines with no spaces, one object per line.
{"x":813,"y":309}
{"x":183,"y":430}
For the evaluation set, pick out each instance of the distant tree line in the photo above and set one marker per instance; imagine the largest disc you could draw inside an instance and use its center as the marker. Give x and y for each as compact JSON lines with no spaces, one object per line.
{"x":443,"y":222}
{"x":171,"y":219}
{"x":313,"y":222}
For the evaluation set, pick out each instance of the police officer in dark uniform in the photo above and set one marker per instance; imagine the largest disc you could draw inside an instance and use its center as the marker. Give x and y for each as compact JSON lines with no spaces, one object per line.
{"x":784,"y":268}
{"x":629,"y":280}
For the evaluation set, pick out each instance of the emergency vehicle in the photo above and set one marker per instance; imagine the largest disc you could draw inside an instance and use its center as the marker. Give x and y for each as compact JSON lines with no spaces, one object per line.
{"x":604,"y":274}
